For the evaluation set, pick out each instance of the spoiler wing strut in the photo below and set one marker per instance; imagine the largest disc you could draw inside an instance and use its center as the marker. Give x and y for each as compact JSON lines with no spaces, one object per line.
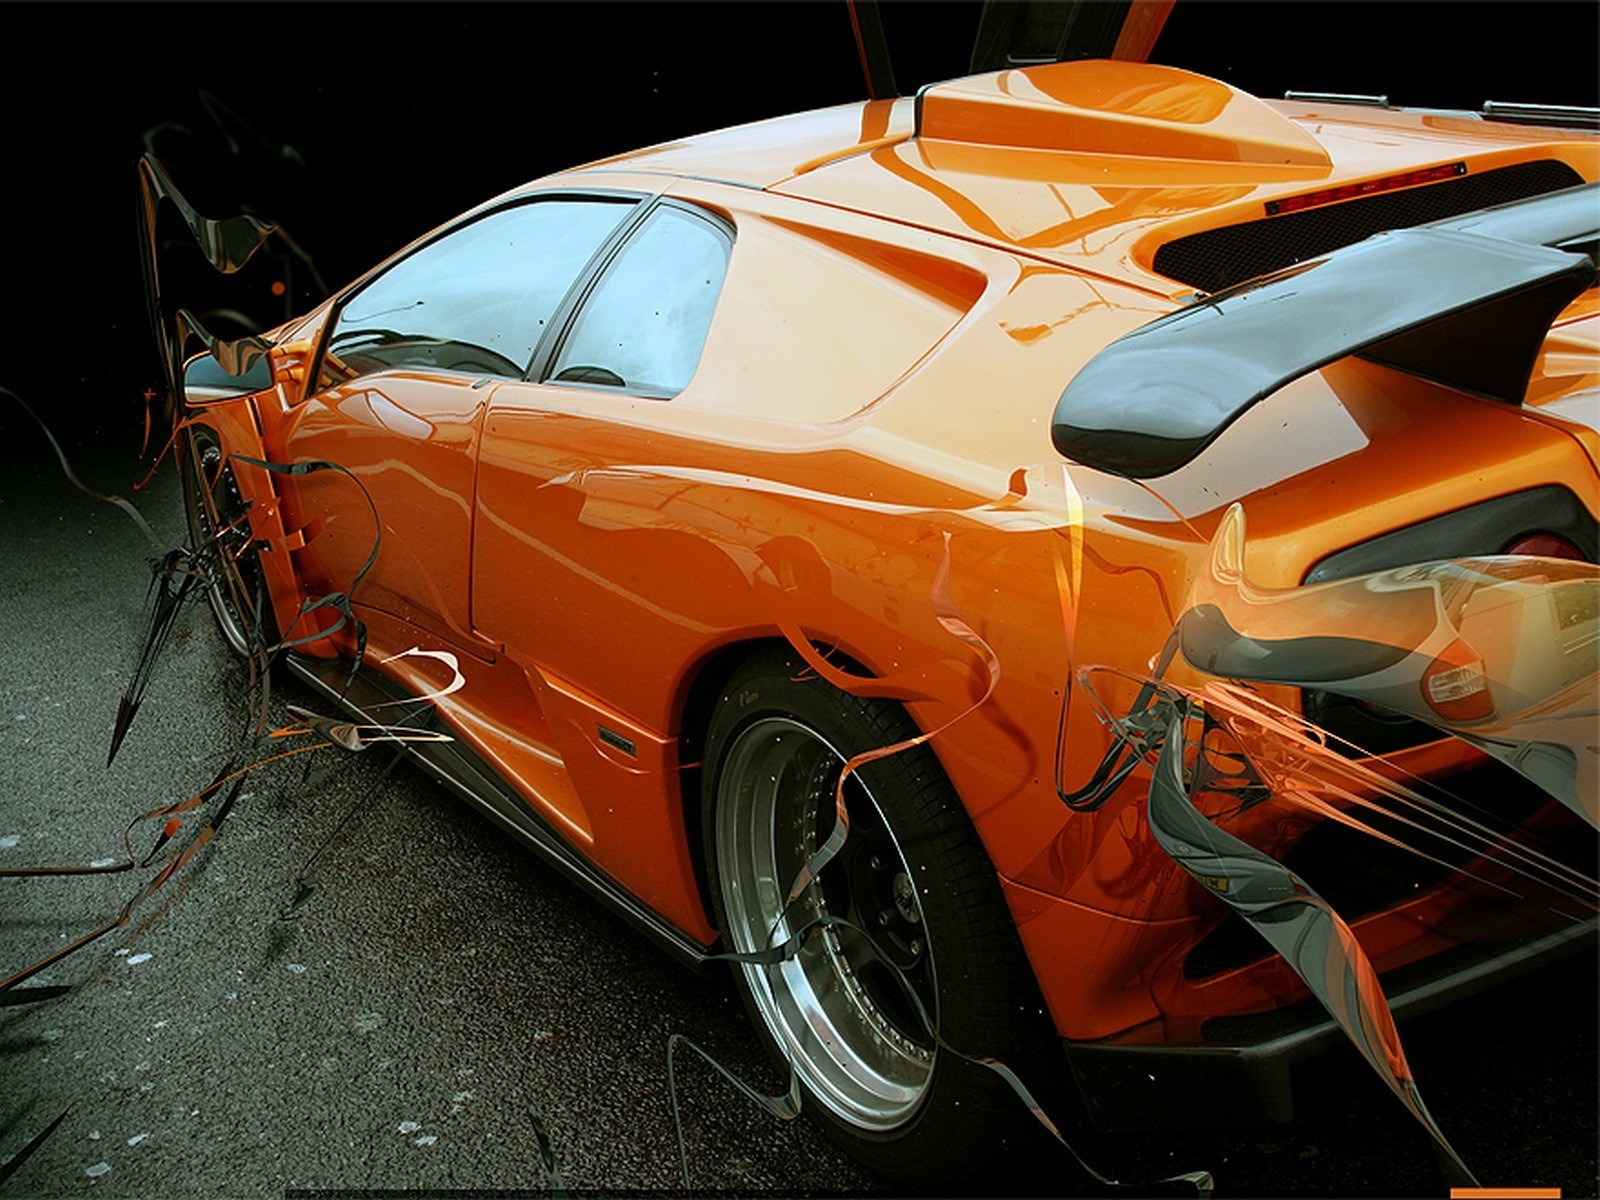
{"x":1465,"y":302}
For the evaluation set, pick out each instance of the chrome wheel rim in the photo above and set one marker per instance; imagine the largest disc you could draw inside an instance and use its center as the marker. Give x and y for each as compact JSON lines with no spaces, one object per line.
{"x":840,"y":1009}
{"x":216,"y":504}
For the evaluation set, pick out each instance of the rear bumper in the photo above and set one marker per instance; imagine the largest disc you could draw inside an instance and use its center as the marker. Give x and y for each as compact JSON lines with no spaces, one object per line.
{"x":1235,"y":1071}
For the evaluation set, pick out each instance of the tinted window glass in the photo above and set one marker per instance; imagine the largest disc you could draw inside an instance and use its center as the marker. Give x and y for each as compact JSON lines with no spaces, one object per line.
{"x":477,"y":300}
{"x":645,"y":322}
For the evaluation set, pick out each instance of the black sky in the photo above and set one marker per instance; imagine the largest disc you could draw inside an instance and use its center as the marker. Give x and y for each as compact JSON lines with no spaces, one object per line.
{"x":399,"y":115}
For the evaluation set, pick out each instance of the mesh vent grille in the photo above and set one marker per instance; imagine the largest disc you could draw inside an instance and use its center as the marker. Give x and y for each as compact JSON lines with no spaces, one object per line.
{"x":1219,"y":258}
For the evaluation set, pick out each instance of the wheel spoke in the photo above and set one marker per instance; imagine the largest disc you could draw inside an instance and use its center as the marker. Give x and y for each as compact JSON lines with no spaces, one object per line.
{"x":220,"y":529}
{"x":836,"y":1010}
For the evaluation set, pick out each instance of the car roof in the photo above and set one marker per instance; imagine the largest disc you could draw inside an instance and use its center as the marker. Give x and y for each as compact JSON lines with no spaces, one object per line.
{"x":1091,"y":164}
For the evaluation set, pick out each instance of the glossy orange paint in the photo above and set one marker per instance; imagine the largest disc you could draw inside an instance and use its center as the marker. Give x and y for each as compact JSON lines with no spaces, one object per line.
{"x":900,"y":315}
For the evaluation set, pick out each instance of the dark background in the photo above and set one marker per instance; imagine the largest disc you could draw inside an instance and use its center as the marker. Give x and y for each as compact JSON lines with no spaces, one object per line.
{"x":360,"y":126}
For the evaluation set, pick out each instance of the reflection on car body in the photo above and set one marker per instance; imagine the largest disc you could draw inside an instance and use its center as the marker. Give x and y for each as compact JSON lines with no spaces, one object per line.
{"x":721,"y":467}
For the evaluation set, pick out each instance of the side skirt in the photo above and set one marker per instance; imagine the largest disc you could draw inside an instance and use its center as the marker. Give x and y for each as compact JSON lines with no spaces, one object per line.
{"x":456,"y":766}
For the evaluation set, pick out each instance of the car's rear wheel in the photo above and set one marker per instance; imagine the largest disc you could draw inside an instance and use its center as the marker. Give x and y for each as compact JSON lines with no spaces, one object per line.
{"x":219,"y":534}
{"x":912,"y":933}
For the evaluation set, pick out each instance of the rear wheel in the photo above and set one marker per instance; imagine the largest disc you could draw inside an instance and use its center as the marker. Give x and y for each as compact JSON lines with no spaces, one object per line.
{"x":912,"y":932}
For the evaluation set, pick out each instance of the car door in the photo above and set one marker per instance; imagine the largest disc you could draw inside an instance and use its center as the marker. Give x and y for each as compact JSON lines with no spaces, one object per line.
{"x":555,"y":578}
{"x":580,"y":588}
{"x":407,"y":367}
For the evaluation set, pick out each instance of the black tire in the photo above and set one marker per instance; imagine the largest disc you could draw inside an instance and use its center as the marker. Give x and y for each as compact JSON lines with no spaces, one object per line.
{"x":219,"y":534}
{"x":911,"y":871}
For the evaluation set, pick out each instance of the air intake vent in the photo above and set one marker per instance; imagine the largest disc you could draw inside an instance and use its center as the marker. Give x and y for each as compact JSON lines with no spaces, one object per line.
{"x":1220,"y":258}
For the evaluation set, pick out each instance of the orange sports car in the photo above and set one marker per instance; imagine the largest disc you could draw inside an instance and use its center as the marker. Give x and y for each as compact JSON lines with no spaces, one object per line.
{"x":1080,"y":581}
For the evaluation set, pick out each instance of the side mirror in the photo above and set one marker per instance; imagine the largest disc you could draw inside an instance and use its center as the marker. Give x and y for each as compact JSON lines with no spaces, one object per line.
{"x":206,"y":382}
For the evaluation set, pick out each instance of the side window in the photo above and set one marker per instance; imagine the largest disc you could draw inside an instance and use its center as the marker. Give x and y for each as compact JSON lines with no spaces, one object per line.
{"x":476,"y":300}
{"x":644,"y":324}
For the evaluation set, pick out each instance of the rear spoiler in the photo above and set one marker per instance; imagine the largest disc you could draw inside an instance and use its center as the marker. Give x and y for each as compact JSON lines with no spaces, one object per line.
{"x":1465,"y":302}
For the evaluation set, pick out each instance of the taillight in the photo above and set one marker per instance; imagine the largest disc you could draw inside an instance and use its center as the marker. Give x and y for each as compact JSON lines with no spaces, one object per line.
{"x":1502,"y":525}
{"x":1367,"y":187}
{"x":1454,"y":686}
{"x":1545,"y":545}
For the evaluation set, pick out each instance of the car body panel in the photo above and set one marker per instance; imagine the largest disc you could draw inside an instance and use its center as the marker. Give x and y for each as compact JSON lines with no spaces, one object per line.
{"x":1108,"y":212}
{"x":423,"y":571}
{"x":872,"y":409}
{"x":764,"y":153}
{"x":1116,"y":108}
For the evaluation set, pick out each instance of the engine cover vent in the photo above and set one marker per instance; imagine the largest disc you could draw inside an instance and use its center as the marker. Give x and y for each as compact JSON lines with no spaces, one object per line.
{"x":1219,"y":258}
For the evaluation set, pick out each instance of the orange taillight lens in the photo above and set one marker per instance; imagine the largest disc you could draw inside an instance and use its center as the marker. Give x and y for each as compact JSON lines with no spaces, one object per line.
{"x":1454,"y":686}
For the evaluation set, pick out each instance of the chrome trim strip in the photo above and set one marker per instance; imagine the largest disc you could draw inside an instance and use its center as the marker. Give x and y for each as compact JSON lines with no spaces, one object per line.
{"x":1338,"y":98}
{"x":1543,"y":114}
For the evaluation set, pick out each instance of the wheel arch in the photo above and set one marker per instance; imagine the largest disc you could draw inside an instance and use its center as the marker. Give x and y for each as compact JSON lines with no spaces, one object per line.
{"x":710,"y":679}
{"x":699,"y":687}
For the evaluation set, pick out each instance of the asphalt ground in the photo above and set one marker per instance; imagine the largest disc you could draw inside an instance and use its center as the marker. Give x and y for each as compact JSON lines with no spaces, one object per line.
{"x":439,"y":981}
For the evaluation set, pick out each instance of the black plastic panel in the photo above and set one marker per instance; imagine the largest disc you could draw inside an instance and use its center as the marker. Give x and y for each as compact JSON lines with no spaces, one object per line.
{"x":1487,"y":528}
{"x":1220,"y":258}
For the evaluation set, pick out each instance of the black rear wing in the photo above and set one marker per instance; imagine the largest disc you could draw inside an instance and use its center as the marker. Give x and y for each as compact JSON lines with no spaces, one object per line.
{"x":1465,"y":302}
